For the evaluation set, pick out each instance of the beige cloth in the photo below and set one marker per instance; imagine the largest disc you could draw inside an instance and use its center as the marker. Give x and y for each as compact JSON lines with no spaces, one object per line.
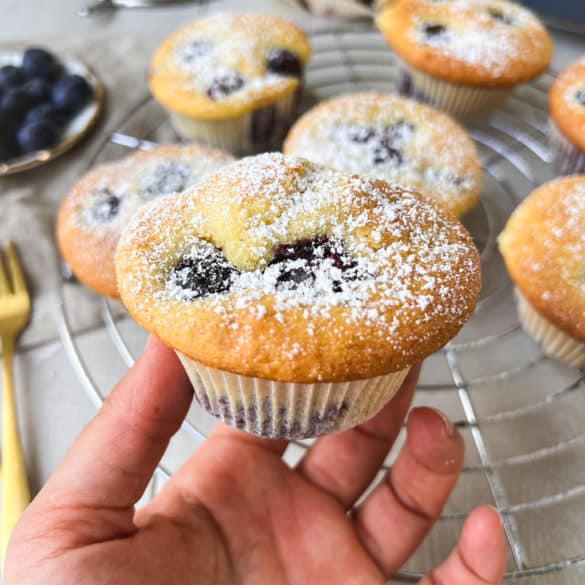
{"x":29,"y":201}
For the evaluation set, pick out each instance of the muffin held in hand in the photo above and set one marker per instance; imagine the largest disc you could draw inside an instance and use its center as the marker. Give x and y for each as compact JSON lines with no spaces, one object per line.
{"x":232,"y":80}
{"x":543,"y":246}
{"x":401,"y":141}
{"x":297,"y":297}
{"x":567,"y":120}
{"x":465,"y":56}
{"x":99,"y":206}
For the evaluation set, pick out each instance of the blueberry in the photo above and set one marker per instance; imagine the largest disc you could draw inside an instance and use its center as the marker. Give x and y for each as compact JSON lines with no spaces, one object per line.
{"x":580,"y":97}
{"x":46,"y":113}
{"x":299,"y":261}
{"x":386,"y":152}
{"x":40,"y":63}
{"x":106,"y":207}
{"x":8,"y":147}
{"x":71,"y":93}
{"x":434,"y":31}
{"x":205,"y":274}
{"x":38,"y":90}
{"x":283,"y":62}
{"x":196,"y":48}
{"x":15,"y":102}
{"x":37,"y":136}
{"x":11,"y":76}
{"x":500,"y":16}
{"x":225,"y":85}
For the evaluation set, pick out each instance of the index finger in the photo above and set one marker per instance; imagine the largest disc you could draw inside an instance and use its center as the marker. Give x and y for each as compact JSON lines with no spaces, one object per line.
{"x":112,"y":461}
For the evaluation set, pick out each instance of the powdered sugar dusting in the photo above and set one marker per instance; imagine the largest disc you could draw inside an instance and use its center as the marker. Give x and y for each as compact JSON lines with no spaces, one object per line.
{"x":383,"y":136}
{"x":412,"y":265}
{"x":489,"y":34}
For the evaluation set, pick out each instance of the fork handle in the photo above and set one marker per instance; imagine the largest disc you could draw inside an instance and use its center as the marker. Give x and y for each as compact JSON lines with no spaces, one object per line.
{"x":15,"y":490}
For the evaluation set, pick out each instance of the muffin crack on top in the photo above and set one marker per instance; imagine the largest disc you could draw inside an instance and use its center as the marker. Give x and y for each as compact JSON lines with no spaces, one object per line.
{"x":279,"y":268}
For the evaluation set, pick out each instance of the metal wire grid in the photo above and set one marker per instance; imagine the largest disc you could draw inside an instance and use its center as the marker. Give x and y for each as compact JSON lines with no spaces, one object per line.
{"x":515,"y":160}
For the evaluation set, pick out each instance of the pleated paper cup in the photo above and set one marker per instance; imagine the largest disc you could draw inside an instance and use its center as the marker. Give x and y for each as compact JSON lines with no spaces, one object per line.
{"x":465,"y":102}
{"x":289,"y":410}
{"x":555,"y":343}
{"x":260,"y":130}
{"x":568,"y":158}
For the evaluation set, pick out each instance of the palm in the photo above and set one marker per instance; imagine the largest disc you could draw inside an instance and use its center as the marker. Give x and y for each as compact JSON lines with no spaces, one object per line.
{"x":235,"y":513}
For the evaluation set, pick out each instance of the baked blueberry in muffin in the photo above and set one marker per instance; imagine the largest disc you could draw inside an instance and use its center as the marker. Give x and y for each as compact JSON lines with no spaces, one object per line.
{"x":297,"y":297}
{"x":98,"y":207}
{"x":232,"y":80}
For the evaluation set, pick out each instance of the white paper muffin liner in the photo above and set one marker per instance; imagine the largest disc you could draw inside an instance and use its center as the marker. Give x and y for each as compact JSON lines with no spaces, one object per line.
{"x":568,"y":158}
{"x":555,"y":343}
{"x":289,"y":410}
{"x":260,"y":130}
{"x":465,"y":102}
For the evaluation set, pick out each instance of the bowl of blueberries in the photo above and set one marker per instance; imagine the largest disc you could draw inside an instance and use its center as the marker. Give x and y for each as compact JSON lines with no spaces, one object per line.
{"x":47,"y":105}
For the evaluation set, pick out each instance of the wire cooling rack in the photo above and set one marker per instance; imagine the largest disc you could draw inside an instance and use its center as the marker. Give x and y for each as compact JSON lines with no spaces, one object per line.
{"x":522,"y":414}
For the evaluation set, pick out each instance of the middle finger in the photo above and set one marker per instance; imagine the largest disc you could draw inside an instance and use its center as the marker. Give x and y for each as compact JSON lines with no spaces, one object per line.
{"x":346,"y":463}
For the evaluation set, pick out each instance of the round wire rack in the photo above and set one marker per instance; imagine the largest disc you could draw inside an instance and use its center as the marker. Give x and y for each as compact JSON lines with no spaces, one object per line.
{"x":522,"y":414}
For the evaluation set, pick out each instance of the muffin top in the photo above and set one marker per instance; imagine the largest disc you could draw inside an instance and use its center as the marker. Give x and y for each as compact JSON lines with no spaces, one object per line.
{"x":543,"y":246}
{"x":282,"y":269}
{"x":228,"y":64}
{"x":401,"y":141}
{"x":491,"y":43}
{"x":567,"y":102}
{"x":93,"y":214}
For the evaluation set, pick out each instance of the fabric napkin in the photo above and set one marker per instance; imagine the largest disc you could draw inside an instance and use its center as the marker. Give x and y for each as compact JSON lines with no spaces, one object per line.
{"x":29,"y":201}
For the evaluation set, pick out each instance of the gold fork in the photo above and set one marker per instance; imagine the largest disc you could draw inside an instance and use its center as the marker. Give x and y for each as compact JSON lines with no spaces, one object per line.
{"x":14,"y":315}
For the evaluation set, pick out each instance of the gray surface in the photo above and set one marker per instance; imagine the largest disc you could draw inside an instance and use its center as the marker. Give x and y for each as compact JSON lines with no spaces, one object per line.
{"x":55,"y":407}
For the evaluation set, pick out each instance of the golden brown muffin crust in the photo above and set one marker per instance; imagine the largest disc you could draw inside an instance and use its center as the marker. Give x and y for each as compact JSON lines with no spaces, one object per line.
{"x":486,"y":43}
{"x":567,"y":103}
{"x":543,"y":246}
{"x":236,"y":43}
{"x":419,"y":273}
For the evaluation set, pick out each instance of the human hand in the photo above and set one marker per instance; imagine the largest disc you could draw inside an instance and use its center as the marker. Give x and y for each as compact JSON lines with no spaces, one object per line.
{"x":235,"y":513}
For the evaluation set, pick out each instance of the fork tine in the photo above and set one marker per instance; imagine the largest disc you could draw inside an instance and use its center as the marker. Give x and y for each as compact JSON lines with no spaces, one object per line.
{"x":4,"y":285}
{"x":18,"y":281}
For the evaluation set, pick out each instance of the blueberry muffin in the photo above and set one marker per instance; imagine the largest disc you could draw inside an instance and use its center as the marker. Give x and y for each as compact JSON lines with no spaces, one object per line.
{"x":465,"y":56}
{"x":298,"y":296}
{"x":396,"y":139}
{"x":232,"y":80}
{"x":92,"y":216}
{"x":567,"y":120}
{"x":543,"y":246}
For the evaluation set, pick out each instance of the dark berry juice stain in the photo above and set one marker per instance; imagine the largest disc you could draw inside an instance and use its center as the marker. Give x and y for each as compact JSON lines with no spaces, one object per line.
{"x":500,"y":16}
{"x":580,"y":97}
{"x":196,"y":48}
{"x":434,"y":31}
{"x":106,"y":207}
{"x":384,"y":143}
{"x":264,"y":125}
{"x":225,"y":85}
{"x":283,"y":62}
{"x":167,"y":177}
{"x":299,"y":262}
{"x":204,"y":274}
{"x":266,"y":423}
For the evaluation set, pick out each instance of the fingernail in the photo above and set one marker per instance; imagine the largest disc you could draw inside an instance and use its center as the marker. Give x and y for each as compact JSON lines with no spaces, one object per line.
{"x":498,"y":513}
{"x":447,"y":424}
